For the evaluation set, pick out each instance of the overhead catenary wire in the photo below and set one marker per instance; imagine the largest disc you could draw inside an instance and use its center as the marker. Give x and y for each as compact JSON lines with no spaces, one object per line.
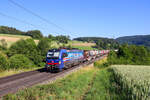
{"x":40,"y":17}
{"x":16,"y":19}
{"x":31,"y":12}
{"x":21,"y":21}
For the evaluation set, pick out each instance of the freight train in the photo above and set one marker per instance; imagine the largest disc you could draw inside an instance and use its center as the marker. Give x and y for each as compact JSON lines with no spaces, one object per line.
{"x":58,"y":59}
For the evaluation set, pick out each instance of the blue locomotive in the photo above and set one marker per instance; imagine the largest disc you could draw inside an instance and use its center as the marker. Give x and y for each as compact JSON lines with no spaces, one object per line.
{"x":58,"y":59}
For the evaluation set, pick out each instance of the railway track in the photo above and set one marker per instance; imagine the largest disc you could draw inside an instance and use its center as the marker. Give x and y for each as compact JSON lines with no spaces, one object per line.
{"x":12,"y":84}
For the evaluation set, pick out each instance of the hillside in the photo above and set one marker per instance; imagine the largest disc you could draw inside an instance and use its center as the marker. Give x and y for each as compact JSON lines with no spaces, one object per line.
{"x":93,"y":39}
{"x":10,"y":39}
{"x":82,"y":45}
{"x":36,"y":34}
{"x":101,"y":42}
{"x":137,"y":40}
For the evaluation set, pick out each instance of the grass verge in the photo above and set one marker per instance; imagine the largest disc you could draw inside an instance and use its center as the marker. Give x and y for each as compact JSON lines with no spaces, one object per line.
{"x":104,"y":87}
{"x":72,"y":87}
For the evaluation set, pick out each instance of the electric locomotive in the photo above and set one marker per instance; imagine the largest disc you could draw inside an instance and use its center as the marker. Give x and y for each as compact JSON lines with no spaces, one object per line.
{"x":58,"y":59}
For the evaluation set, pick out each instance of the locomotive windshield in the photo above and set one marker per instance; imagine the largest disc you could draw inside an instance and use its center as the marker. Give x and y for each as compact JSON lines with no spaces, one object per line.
{"x":52,"y":55}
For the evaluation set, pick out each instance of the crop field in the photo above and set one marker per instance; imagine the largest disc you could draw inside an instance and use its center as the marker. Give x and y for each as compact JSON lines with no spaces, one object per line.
{"x":16,"y":36}
{"x":13,"y":38}
{"x":82,"y":45}
{"x":134,"y":80}
{"x":10,"y":39}
{"x":74,"y":44}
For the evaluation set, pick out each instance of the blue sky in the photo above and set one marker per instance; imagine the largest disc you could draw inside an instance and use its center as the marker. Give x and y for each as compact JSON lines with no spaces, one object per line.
{"x":99,"y":18}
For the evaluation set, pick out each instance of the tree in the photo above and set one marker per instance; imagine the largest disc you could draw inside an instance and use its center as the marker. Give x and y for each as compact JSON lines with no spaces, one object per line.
{"x":62,"y":38}
{"x":100,"y":44}
{"x":35,"y":34}
{"x":4,"y":64}
{"x":3,"y":44}
{"x":10,"y":30}
{"x":112,"y":57}
{"x":28,"y":48}
{"x":124,"y":51}
{"x":51,"y":37}
{"x":19,"y":61}
{"x":44,"y":46}
{"x":140,"y":54}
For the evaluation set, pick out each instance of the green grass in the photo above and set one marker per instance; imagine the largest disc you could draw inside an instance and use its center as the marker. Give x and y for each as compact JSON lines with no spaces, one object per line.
{"x":89,"y":83}
{"x":103,"y":87}
{"x":73,"y":87}
{"x":17,"y":36}
{"x":84,"y":47}
{"x":101,"y":63}
{"x":73,"y":41}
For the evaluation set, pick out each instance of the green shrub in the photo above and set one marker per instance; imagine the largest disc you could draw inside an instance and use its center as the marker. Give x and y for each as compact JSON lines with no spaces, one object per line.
{"x":36,"y":34}
{"x":20,"y":61}
{"x":130,"y":54}
{"x":4,"y":64}
{"x":43,"y":46}
{"x":104,"y":65}
{"x":26,"y":47}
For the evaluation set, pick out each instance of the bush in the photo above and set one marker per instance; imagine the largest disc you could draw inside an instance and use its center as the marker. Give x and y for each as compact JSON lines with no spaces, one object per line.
{"x":104,"y":65}
{"x":112,"y":57}
{"x":3,"y":45}
{"x":36,"y":34}
{"x":26,"y":47}
{"x":19,"y":61}
{"x":101,"y":63}
{"x":43,"y":46}
{"x":4,"y":64}
{"x":130,"y":54}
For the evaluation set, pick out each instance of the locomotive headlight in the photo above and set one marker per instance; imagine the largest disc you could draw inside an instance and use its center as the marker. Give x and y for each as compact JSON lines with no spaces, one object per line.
{"x":59,"y":62}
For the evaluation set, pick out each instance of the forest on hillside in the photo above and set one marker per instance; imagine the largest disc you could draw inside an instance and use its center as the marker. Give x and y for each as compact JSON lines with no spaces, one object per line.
{"x":136,"y":40}
{"x":101,"y":43}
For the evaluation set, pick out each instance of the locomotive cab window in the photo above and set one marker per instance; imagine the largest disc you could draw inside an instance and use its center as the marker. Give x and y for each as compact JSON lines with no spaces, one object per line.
{"x":53,"y":55}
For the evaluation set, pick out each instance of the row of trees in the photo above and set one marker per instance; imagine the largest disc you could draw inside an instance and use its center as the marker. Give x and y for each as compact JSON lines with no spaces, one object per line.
{"x":10,"y":30}
{"x":35,"y":34}
{"x":101,"y":43}
{"x":106,"y":44}
{"x":60,"y":38}
{"x":130,"y":54}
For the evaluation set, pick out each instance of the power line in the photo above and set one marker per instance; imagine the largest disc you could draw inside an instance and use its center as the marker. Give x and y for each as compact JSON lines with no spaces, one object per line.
{"x":31,"y":12}
{"x":43,"y":19}
{"x":21,"y":21}
{"x":14,"y":18}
